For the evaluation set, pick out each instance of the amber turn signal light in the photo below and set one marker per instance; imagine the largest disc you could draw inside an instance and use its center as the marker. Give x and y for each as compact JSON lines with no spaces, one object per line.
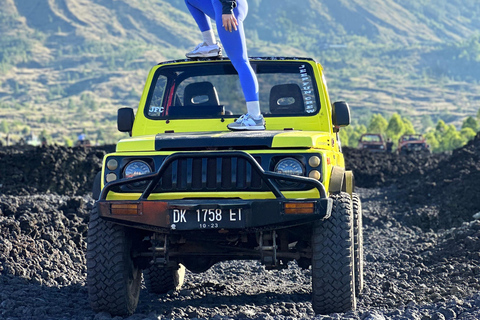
{"x":299,"y":208}
{"x":124,"y":209}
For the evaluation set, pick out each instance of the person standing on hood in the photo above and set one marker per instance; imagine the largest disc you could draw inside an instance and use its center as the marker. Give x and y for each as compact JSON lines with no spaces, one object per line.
{"x":229,"y":16}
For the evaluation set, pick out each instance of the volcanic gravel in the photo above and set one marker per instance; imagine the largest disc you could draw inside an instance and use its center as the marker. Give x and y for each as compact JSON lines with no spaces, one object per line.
{"x":422,"y":246}
{"x":448,"y":182}
{"x":68,"y":171}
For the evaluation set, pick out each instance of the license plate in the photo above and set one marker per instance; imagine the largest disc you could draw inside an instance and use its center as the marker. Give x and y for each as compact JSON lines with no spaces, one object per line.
{"x":207,"y":218}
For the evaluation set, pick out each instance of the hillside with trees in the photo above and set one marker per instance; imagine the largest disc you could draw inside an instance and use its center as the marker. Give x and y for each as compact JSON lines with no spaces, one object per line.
{"x":66,"y":66}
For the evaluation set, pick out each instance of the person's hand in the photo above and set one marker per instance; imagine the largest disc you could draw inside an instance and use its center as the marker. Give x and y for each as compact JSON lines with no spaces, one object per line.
{"x":229,"y":22}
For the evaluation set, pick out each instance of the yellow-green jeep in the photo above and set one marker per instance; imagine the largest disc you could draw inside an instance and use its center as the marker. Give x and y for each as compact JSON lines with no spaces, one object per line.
{"x":184,"y":192}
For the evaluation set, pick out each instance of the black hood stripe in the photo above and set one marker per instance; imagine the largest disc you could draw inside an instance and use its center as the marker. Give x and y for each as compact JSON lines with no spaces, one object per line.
{"x":256,"y":139}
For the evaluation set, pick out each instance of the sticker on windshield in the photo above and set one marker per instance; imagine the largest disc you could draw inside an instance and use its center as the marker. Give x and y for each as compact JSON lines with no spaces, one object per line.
{"x":307,"y":90}
{"x":155,"y":111}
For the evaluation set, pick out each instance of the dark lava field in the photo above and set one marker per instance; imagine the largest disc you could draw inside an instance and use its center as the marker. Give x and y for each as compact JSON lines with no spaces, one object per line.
{"x":422,"y":244}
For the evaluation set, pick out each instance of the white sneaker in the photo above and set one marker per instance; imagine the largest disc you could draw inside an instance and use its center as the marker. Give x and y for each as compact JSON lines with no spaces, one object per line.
{"x":205,"y":51}
{"x":247,"y":122}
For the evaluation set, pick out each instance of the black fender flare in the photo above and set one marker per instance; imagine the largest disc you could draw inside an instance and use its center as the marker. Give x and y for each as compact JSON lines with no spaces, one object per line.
{"x":97,"y":186}
{"x":336,"y":179}
{"x":349,"y":182}
{"x":341,"y":180}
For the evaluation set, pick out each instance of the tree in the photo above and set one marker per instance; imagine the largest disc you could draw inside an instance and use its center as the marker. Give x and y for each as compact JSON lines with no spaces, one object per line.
{"x":378,"y":124}
{"x":471,"y":123}
{"x":432,"y":141}
{"x":448,"y":137}
{"x":68,"y":142}
{"x":408,"y":127}
{"x":468,"y":133}
{"x":350,"y":135}
{"x":395,"y":127}
{"x":344,"y":137}
{"x":453,"y":139}
{"x":441,"y":126}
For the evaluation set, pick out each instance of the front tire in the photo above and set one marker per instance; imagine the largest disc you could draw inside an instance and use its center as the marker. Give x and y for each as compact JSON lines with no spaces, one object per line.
{"x":333,"y":280}
{"x":113,"y":280}
{"x":163,"y":279}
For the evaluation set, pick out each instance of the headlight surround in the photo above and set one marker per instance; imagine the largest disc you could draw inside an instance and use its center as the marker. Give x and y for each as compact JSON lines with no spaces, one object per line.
{"x":290,"y":166}
{"x":136,"y":168}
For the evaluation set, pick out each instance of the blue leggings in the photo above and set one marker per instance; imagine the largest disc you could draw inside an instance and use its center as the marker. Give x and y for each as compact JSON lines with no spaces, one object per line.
{"x":233,"y":42}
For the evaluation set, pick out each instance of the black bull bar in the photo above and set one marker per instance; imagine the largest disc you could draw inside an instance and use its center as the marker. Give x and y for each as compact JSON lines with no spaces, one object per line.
{"x":271,"y":211}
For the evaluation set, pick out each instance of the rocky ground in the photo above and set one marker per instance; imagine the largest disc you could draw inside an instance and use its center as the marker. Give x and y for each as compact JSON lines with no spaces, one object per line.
{"x":422,"y":246}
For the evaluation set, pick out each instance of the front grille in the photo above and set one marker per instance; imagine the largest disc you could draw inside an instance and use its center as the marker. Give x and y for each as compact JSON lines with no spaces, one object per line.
{"x":211,"y":174}
{"x":208,"y":172}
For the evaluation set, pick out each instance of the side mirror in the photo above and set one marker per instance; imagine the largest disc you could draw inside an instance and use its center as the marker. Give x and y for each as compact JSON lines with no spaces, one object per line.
{"x":125,"y":118}
{"x":340,"y":114}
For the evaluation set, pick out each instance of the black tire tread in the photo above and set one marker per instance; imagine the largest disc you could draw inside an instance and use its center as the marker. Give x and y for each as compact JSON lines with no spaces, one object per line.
{"x":332,"y":261}
{"x":358,"y":243}
{"x":163,"y":279}
{"x":107,"y":262}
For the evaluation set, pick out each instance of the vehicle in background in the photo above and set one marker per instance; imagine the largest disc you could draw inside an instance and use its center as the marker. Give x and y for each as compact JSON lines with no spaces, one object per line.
{"x":30,"y":139}
{"x":372,"y":141}
{"x":82,"y":141}
{"x":412,"y":143}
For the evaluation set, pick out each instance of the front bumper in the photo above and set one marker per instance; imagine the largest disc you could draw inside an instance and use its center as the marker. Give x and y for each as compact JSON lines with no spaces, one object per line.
{"x":181,"y":215}
{"x":220,"y":213}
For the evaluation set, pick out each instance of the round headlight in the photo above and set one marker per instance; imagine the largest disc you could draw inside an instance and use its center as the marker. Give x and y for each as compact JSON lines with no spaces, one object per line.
{"x":315,"y":174}
{"x":111,"y":177}
{"x":136,"y":168}
{"x":112,"y":164}
{"x":314,"y":161}
{"x":291,"y":167}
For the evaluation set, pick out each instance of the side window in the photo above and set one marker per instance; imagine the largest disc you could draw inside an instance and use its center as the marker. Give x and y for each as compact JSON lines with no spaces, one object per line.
{"x":156,"y":109}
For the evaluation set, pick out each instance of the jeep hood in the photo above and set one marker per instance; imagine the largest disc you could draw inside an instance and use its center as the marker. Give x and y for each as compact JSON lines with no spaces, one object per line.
{"x":237,"y":140}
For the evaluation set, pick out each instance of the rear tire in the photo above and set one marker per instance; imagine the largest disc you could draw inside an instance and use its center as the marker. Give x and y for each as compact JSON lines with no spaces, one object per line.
{"x":358,"y":243}
{"x":113,"y":280}
{"x":333,"y":277}
{"x":163,"y":279}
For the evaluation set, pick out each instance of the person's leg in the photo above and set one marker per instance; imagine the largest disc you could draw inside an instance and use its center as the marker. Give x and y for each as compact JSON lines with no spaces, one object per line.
{"x":201,"y":10}
{"x":235,"y":45}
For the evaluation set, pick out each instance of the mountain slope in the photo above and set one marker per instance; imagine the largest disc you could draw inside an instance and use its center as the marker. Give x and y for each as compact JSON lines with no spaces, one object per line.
{"x":74,"y":62}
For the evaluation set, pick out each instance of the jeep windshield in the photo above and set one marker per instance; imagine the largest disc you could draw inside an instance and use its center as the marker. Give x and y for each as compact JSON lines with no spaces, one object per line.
{"x":371,"y":138}
{"x":212,"y":89}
